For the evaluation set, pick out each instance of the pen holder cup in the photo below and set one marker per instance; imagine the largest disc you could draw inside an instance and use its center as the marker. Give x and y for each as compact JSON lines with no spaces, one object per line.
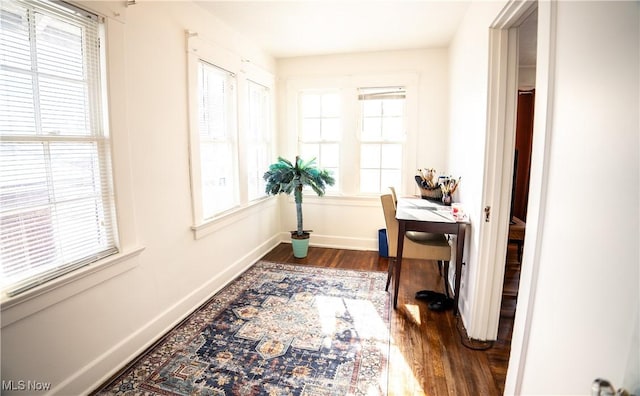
{"x":433,"y":193}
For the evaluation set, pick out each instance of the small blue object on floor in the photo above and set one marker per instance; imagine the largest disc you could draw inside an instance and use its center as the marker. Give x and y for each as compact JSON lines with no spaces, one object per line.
{"x":383,"y":247}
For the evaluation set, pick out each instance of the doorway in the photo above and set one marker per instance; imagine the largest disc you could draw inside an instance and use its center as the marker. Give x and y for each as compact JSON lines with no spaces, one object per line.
{"x":503,"y":67}
{"x":527,"y":40}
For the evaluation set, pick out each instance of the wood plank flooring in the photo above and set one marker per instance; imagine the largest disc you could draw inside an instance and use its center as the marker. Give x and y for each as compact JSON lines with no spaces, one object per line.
{"x":427,"y":353}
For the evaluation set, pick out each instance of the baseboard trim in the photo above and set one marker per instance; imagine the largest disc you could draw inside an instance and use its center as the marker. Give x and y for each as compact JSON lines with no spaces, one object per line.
{"x":116,"y":359}
{"x":337,"y":242}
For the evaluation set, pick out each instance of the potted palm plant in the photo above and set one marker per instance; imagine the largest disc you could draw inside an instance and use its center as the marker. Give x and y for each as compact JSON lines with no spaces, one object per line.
{"x":286,"y":177}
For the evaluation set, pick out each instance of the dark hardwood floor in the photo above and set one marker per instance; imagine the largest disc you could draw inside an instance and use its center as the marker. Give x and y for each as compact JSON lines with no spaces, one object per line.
{"x":428,"y":354}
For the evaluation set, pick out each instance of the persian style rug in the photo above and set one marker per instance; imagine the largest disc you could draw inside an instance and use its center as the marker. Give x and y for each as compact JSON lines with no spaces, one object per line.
{"x":278,"y":329}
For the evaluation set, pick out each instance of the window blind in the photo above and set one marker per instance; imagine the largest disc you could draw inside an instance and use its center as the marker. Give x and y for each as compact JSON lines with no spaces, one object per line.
{"x":57,"y":208}
{"x":382,"y":93}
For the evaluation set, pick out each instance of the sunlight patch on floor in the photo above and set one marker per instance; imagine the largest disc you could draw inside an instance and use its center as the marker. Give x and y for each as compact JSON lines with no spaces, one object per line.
{"x":414,"y":313}
{"x":402,"y":381}
{"x":367,"y":321}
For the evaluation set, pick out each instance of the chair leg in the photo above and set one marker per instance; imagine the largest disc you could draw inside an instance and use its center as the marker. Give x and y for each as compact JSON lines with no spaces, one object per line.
{"x":445,"y":279}
{"x":440,"y":267}
{"x":389,"y":272}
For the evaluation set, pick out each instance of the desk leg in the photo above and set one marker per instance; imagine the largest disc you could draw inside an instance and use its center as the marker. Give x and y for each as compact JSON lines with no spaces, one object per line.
{"x":396,"y":269}
{"x":459,"y":252}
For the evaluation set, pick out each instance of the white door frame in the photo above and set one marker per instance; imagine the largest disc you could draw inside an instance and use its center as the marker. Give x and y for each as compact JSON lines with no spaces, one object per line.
{"x":498,"y":170}
{"x":538,"y":190}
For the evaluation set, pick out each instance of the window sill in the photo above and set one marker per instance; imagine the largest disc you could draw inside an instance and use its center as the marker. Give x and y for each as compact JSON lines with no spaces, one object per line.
{"x":234,"y":215}
{"x":16,"y":308}
{"x":340,"y":200}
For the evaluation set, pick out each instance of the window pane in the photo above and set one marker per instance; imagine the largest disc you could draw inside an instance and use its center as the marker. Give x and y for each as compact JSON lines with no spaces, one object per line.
{"x":257,"y":159}
{"x":311,"y":105}
{"x":74,"y":167}
{"x":30,"y":247}
{"x":372,"y":108}
{"x":218,"y":189}
{"x":331,"y":129}
{"x":393,"y":107}
{"x":311,"y":129}
{"x":59,"y":47}
{"x":392,"y":128}
{"x":389,"y":178}
{"x":258,"y":139}
{"x":23,"y":176}
{"x":17,"y":109}
{"x":331,"y":105}
{"x":55,"y":206}
{"x":213,"y":103}
{"x":217,"y":139}
{"x":391,"y":156}
{"x":371,"y":128}
{"x":14,"y":36}
{"x":330,"y":156}
{"x":370,"y":156}
{"x":310,"y":150}
{"x":369,"y":180}
{"x":329,"y":159}
{"x":63,"y":107}
{"x":320,"y":117}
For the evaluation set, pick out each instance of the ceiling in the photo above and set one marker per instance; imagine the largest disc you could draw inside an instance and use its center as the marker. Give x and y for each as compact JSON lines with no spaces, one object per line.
{"x":303,"y":28}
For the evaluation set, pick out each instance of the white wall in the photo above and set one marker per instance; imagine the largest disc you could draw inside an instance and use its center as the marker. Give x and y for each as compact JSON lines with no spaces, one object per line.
{"x":80,"y":341}
{"x":584,"y":319}
{"x":526,"y":77}
{"x":468,"y":76}
{"x":352,"y":222}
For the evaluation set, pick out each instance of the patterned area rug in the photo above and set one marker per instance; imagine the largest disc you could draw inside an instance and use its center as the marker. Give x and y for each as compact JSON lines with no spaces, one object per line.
{"x":276,"y":330}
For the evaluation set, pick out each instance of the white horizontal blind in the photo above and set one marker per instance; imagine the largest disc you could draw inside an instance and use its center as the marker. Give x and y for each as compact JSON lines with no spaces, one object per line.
{"x":382,"y":135}
{"x":56,"y":198}
{"x":217,"y":116}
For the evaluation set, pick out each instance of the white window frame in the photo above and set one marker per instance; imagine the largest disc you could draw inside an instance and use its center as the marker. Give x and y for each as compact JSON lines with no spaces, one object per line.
{"x":349,"y":183}
{"x":199,"y":49}
{"x":57,"y":290}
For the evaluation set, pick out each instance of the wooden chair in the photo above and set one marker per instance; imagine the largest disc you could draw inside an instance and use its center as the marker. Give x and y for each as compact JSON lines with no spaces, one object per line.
{"x":394,"y":195}
{"x":417,"y":245}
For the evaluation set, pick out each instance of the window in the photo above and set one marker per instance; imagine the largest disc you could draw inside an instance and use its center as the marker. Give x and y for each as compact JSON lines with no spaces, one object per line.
{"x":230,"y":133}
{"x":217,"y":126}
{"x":364,"y":128}
{"x":382,"y":134}
{"x":258,"y":138}
{"x":320,"y":130}
{"x":57,"y":208}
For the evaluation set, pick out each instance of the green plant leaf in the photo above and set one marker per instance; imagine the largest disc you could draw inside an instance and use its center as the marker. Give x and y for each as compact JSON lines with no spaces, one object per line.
{"x":285,"y":177}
